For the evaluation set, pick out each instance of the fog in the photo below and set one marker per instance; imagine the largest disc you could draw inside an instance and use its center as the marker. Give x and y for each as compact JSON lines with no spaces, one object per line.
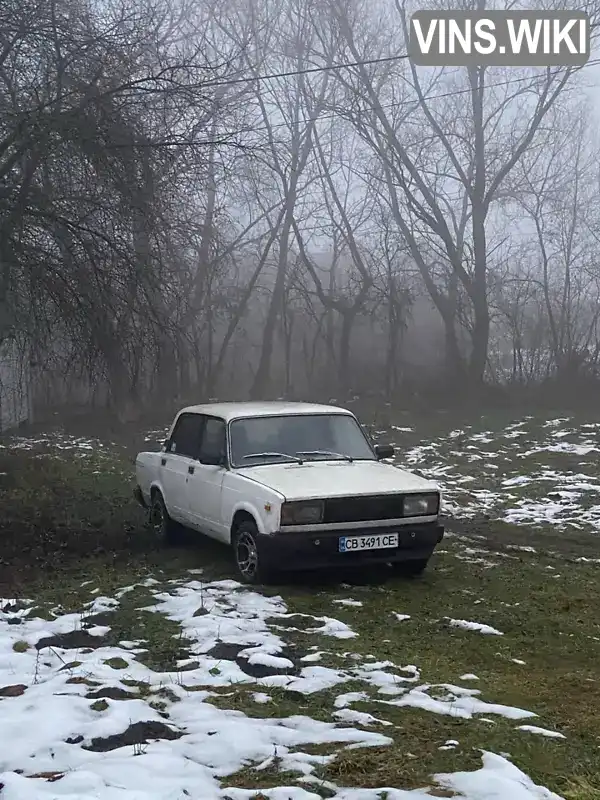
{"x":267,"y":199}
{"x":262,"y":200}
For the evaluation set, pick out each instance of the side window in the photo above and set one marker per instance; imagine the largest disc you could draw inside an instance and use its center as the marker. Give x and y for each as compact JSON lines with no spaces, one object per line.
{"x":212,"y":448}
{"x":185,"y":440}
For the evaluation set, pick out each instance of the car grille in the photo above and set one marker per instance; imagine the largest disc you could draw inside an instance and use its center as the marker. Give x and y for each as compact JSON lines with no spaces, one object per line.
{"x":363,"y":509}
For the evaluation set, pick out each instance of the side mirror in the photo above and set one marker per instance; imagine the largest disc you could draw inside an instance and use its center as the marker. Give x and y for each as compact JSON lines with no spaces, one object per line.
{"x":164,"y":446}
{"x":384,"y":451}
{"x":212,"y":459}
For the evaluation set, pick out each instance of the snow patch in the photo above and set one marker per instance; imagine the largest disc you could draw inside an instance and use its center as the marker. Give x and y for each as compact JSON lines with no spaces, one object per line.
{"x":479,"y":627}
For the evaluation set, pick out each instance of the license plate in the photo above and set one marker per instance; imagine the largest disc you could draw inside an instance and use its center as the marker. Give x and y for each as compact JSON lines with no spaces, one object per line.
{"x":350,"y":544}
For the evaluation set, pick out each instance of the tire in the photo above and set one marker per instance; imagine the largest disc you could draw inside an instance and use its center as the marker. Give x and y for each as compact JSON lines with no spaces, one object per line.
{"x":246,"y":555}
{"x":166,"y":530}
{"x":410,"y":569}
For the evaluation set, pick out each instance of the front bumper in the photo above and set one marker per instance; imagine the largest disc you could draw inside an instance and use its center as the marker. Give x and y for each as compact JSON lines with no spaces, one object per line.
{"x":298,"y":551}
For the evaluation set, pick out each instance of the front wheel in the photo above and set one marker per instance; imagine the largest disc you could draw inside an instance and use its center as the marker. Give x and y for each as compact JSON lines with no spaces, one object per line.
{"x":246,"y":555}
{"x":410,"y":569}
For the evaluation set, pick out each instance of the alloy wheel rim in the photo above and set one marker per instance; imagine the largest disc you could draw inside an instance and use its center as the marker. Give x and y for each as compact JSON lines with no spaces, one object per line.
{"x":246,"y":555}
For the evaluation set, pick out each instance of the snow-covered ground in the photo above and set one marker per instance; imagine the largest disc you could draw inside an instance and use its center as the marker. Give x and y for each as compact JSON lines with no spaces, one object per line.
{"x":92,"y":721}
{"x":525,"y":473}
{"x":87,"y":721}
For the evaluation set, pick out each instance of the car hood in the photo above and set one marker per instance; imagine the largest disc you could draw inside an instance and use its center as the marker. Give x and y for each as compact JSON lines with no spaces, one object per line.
{"x":336,"y":479}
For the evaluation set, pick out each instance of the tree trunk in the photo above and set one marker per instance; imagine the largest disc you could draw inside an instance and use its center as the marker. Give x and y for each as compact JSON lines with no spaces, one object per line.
{"x":261,"y":385}
{"x":478,"y":289}
{"x":348,"y":318}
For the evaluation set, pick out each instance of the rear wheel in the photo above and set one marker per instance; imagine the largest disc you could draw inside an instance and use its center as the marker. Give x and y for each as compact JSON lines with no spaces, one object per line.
{"x":410,"y":569}
{"x":165,"y":529}
{"x":248,"y":563}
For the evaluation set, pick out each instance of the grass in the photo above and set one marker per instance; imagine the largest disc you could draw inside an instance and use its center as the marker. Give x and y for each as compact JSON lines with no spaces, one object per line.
{"x":582,"y":789}
{"x":473,"y":456}
{"x":72,"y":532}
{"x":60,"y":511}
{"x":549,"y":623}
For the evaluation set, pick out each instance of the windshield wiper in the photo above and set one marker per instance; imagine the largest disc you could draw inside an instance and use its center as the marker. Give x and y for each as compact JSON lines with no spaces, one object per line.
{"x":274,"y":455}
{"x":324,"y":453}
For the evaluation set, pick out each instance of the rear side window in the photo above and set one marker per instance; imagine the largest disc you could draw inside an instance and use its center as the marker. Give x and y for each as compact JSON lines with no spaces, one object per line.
{"x":185,"y":439}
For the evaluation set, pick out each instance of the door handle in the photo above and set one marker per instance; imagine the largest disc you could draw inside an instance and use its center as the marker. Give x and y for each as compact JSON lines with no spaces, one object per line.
{"x":163,"y":461}
{"x":191,"y":469}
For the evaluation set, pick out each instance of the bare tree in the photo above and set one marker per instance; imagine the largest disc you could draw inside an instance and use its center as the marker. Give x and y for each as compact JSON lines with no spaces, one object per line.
{"x":558,"y":197}
{"x":97,"y":114}
{"x":445,"y":182}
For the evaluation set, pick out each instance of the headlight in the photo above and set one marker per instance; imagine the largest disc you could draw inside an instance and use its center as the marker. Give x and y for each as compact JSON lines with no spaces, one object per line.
{"x":302,"y":513}
{"x":420,"y":505}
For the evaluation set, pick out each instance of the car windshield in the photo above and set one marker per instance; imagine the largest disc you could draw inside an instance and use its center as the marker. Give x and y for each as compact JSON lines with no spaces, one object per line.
{"x":305,"y":437}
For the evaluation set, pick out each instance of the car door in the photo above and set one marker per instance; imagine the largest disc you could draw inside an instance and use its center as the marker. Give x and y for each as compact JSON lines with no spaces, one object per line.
{"x":179,"y":456}
{"x":205,"y":483}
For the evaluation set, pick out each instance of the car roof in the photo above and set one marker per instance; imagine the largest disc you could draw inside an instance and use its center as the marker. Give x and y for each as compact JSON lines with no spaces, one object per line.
{"x":229,"y":411}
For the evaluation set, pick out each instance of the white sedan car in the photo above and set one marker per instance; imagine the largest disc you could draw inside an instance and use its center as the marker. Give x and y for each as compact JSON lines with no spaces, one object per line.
{"x":289,"y":486}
